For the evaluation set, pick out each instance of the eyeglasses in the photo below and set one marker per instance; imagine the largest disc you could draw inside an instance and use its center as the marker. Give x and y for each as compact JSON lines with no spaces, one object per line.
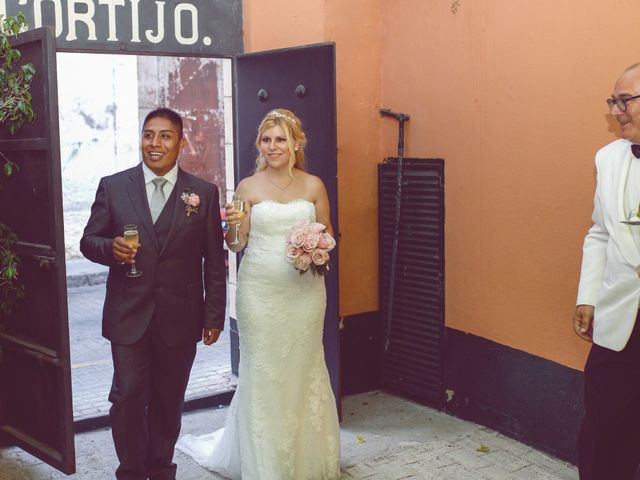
{"x":621,"y":103}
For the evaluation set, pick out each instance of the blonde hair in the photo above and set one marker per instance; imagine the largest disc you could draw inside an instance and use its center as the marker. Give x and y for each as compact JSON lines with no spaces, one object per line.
{"x":292,"y":127}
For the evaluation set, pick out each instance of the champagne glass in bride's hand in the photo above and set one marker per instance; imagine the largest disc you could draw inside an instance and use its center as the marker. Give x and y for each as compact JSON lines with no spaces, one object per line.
{"x":131,"y":237}
{"x":238,"y":205}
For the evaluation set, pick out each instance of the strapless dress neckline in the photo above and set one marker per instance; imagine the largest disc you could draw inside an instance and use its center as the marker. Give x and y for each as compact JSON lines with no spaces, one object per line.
{"x":276,"y":202}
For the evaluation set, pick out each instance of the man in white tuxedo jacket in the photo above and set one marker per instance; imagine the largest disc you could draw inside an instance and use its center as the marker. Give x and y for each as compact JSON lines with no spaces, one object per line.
{"x":608,"y":300}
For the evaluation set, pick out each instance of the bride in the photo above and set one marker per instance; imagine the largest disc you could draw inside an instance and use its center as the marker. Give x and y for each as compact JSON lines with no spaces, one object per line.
{"x":282,"y":422}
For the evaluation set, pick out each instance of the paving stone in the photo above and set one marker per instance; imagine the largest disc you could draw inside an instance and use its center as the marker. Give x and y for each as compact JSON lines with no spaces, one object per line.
{"x":379,"y":461}
{"x":508,"y":461}
{"x":534,"y":472}
{"x":435,"y":462}
{"x":470,"y":459}
{"x":387,"y":454}
{"x":429,"y":461}
{"x":541,"y":459}
{"x":347,"y":476}
{"x":360,"y":471}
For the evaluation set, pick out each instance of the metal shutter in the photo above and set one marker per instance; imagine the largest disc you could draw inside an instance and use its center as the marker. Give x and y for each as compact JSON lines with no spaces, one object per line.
{"x":412,"y":366}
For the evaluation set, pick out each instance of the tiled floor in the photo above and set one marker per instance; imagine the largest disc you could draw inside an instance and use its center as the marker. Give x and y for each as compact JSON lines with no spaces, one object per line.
{"x":382,"y":438}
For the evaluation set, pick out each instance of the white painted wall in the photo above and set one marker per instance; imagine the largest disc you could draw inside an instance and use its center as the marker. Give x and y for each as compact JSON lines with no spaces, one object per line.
{"x":99,"y":132}
{"x":102,"y":99}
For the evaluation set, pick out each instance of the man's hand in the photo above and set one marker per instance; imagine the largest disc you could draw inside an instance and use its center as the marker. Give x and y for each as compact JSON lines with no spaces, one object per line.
{"x":210,"y":335}
{"x":122,"y":251}
{"x":583,"y":322}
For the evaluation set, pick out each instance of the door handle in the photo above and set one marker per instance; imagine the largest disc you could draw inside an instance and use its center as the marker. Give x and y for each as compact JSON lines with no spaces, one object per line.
{"x":45,"y":261}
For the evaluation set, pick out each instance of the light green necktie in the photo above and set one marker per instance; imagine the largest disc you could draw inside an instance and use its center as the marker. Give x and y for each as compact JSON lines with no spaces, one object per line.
{"x":157,"y":198}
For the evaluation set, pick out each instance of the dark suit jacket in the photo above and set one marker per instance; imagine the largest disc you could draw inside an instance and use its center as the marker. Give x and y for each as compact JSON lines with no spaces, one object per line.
{"x":183,"y":281}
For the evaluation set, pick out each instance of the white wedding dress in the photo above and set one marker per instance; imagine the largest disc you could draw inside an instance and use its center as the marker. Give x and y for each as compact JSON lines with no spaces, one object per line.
{"x":282,"y":423}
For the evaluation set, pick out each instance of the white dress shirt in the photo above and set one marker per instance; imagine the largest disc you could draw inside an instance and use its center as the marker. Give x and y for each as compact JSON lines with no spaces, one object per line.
{"x":171,"y":176}
{"x":632,"y":197}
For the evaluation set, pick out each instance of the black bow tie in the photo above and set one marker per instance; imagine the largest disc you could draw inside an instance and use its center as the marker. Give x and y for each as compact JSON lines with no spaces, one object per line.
{"x":635,"y":149}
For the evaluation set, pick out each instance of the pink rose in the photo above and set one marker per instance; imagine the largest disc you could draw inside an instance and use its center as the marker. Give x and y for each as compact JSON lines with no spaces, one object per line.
{"x":194,"y":200}
{"x":311,"y":242}
{"x":303,"y":262}
{"x":326,"y":242}
{"x":300,"y":224}
{"x":297,"y":237}
{"x":317,"y":227}
{"x":293,"y":253}
{"x":319,"y":257}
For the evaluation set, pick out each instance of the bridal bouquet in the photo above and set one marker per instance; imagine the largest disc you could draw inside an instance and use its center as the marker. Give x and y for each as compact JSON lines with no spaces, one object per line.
{"x":308,"y":247}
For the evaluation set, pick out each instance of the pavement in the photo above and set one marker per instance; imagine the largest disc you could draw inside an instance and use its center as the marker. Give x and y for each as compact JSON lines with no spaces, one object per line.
{"x":383,"y":438}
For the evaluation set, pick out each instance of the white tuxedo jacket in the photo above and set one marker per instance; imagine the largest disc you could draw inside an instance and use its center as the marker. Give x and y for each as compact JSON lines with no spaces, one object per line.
{"x":610,"y":276}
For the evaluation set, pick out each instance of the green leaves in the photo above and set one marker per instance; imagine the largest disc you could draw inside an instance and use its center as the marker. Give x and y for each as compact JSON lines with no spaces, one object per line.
{"x":15,"y":80}
{"x":10,"y":272}
{"x":15,"y":112}
{"x":8,"y":168}
{"x":28,"y":71}
{"x":13,"y":25}
{"x":10,"y":290}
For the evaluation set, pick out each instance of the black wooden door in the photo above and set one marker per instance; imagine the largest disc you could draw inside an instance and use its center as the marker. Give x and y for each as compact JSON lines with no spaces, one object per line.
{"x":301,"y":79}
{"x":35,"y":375}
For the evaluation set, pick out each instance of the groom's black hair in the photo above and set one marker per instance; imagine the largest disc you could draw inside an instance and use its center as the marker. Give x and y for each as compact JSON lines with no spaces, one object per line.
{"x":167,"y":113}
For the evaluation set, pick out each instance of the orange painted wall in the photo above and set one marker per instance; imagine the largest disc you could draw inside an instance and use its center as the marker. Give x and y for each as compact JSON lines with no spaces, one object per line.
{"x":511,"y":94}
{"x":355,"y":27}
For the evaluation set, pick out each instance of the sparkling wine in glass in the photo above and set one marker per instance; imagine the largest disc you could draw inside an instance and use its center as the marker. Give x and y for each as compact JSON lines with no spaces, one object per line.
{"x":238,"y":204}
{"x":131,"y":237}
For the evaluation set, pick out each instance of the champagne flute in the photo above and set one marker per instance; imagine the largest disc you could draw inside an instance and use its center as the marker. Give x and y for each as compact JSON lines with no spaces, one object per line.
{"x":238,"y":204}
{"x":131,"y":237}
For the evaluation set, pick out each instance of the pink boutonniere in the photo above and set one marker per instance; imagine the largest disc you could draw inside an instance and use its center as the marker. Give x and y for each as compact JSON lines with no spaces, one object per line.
{"x":191,"y":201}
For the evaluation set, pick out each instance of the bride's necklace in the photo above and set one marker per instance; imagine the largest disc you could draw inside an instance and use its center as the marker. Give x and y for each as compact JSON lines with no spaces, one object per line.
{"x":275,"y":184}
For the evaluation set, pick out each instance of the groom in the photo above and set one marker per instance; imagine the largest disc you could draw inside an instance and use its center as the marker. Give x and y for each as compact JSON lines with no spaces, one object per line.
{"x":155,"y":320}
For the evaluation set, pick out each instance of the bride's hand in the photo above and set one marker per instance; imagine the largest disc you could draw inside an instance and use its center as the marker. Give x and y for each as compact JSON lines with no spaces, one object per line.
{"x":234,"y":217}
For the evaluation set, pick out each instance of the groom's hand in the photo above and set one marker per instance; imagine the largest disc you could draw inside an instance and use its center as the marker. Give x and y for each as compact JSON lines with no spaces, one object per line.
{"x":210,"y":335}
{"x":122,"y":251}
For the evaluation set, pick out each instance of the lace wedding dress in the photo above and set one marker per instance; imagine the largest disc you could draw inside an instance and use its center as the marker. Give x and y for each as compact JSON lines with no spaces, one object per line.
{"x":282,"y":423}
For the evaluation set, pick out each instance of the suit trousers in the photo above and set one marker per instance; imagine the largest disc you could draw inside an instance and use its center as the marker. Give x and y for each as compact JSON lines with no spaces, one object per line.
{"x":147,"y":396}
{"x":609,"y":439}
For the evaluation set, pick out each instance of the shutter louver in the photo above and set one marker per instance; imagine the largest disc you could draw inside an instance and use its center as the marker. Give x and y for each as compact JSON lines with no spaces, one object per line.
{"x":412,"y":366}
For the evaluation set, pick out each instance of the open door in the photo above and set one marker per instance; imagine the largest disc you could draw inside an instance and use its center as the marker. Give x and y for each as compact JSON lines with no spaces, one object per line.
{"x":35,"y":375}
{"x":301,"y":79}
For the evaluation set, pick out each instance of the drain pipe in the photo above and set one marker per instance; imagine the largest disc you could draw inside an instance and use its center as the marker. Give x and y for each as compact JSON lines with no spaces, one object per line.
{"x":401,"y":118}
